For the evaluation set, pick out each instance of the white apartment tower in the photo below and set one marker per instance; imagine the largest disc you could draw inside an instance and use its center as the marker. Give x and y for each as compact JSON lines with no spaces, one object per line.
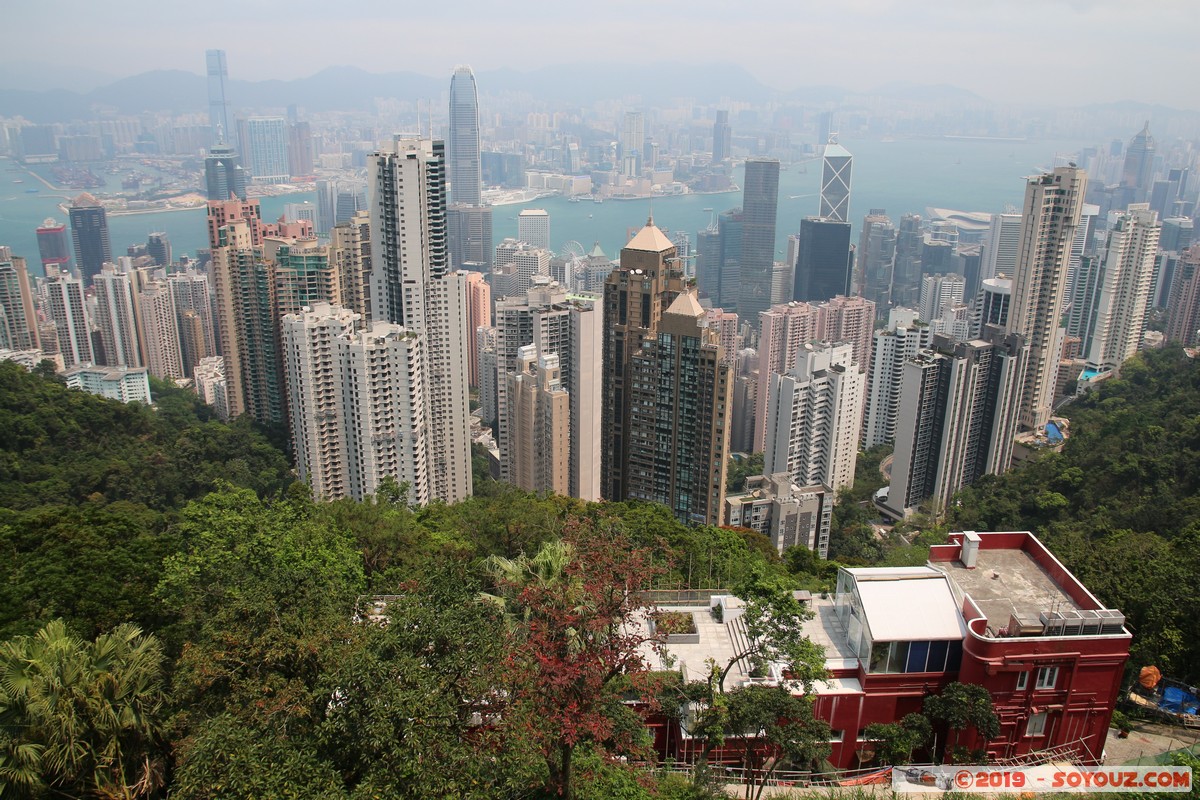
{"x":68,"y":309}
{"x":160,"y":331}
{"x":900,"y":341}
{"x":814,"y":414}
{"x":357,"y":402}
{"x":1053,"y":202}
{"x":940,"y":293}
{"x":116,"y":318}
{"x":412,"y":286}
{"x":1001,"y":246}
{"x":1126,"y":270}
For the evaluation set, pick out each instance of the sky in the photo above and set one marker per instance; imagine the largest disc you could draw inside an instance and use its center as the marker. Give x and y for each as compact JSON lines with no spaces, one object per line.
{"x":1006,"y":50}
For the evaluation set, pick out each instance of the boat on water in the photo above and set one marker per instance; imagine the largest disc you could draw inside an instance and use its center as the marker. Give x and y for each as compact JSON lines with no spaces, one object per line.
{"x":597,"y":200}
{"x":573,"y":199}
{"x":17,"y":180}
{"x":32,"y":191}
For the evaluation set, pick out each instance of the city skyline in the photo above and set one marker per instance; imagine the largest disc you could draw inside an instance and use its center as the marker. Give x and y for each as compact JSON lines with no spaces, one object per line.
{"x":944,"y":42}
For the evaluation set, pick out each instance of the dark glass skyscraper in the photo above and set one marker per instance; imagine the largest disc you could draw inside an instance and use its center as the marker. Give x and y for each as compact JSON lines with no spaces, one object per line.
{"x":823,"y":260}
{"x":466,"y":181}
{"x":89,"y":234}
{"x":223,"y":174}
{"x":760,"y":201}
{"x":1138,"y":169}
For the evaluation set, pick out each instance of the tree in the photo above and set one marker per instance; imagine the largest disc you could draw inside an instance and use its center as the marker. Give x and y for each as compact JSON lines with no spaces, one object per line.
{"x":81,"y":717}
{"x":965,"y":705}
{"x":415,"y":709}
{"x":261,"y":590}
{"x":777,"y":728}
{"x":578,"y":614}
{"x":895,"y":742}
{"x":774,"y":625}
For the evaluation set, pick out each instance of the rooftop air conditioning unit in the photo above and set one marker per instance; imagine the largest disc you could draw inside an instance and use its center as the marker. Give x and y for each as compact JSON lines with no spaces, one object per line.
{"x":1072,"y":623}
{"x":1091,"y":623}
{"x":1111,"y":621}
{"x":1053,"y":622}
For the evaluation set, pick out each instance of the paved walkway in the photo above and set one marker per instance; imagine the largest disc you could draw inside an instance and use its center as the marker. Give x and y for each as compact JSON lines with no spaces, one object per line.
{"x":1148,"y":740}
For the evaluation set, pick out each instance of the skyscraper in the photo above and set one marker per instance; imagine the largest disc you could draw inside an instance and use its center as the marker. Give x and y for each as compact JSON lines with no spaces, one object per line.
{"x":554,"y":323}
{"x":1138,"y":171}
{"x":633,"y":136}
{"x":636,"y":295}
{"x":268,"y":142}
{"x":469,"y":231}
{"x":900,"y":341}
{"x":197,"y":338}
{"x":1123,"y":289}
{"x":18,"y":322}
{"x":906,"y":272}
{"x":533,"y":226}
{"x":722,"y":137}
{"x":465,"y":177}
{"x":823,"y":260}
{"x":760,"y":201}
{"x":160,"y":331}
{"x":68,"y":310}
{"x":680,"y":402}
{"x":350,"y":251}
{"x":1053,"y":202}
{"x":358,"y":404}
{"x":223,"y":174}
{"x":158,"y":247}
{"x":957,"y":418}
{"x":836,"y":171}
{"x":539,"y":417}
{"x":53,"y":246}
{"x":412,"y":286}
{"x":116,"y":318}
{"x":89,"y":233}
{"x":218,"y":106}
{"x":1183,"y":304}
{"x":874,"y":258}
{"x":814,"y":417}
{"x":1001,"y":246}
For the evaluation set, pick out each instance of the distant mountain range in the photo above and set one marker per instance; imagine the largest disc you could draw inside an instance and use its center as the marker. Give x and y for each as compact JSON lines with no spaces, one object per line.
{"x":29,"y":90}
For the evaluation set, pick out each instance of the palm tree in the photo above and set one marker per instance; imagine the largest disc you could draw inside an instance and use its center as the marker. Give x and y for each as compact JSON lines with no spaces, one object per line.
{"x":81,"y":717}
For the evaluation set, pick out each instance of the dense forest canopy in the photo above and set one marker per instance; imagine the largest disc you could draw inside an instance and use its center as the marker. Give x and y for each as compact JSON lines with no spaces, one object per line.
{"x":194,"y":533}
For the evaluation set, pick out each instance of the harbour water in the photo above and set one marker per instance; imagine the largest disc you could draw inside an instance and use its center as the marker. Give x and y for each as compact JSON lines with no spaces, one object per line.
{"x":903,"y":176}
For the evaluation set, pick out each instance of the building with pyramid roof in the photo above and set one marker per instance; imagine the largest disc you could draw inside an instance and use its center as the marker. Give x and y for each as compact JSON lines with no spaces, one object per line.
{"x":666,"y":394}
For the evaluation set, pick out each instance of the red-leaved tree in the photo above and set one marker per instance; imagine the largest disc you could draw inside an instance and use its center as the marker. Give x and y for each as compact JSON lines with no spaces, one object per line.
{"x":580,"y":642}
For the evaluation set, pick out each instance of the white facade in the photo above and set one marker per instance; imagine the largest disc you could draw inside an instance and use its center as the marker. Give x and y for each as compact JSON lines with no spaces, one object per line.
{"x":268,"y":141}
{"x":533,"y":227}
{"x":116,"y":319}
{"x":1123,"y":289}
{"x":789,"y":515}
{"x":1001,"y":247}
{"x":412,"y":286}
{"x":1053,"y":203}
{"x":939,"y":293}
{"x":208,"y":380}
{"x":126,"y":385}
{"x":527,"y":261}
{"x":902,"y":339}
{"x":814,"y":415}
{"x":160,"y":331}
{"x":357,"y":404}
{"x":68,"y":310}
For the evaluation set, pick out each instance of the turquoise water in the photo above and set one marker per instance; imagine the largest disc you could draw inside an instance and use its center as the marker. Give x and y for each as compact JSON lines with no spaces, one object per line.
{"x":903,"y":176}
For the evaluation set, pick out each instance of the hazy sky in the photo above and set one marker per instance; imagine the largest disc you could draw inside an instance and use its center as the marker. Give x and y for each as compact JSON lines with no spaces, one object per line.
{"x":1007,"y":50}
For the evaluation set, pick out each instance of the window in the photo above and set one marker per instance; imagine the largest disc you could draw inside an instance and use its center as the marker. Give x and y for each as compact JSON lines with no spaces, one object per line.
{"x":835,"y":736}
{"x":1036,"y":725}
{"x":1022,"y":680}
{"x":1047,"y":677}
